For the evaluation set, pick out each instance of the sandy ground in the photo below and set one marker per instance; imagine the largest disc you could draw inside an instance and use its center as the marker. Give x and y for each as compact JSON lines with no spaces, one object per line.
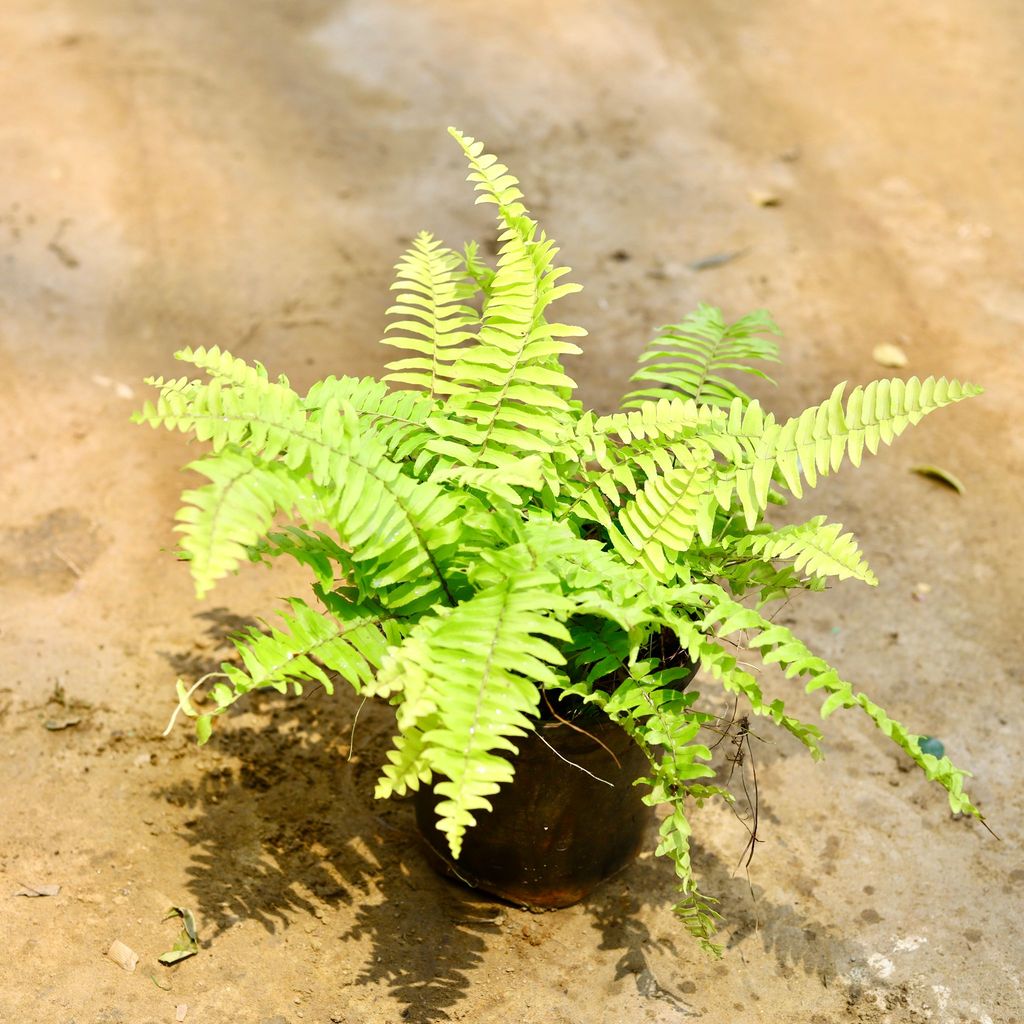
{"x":245,"y":173}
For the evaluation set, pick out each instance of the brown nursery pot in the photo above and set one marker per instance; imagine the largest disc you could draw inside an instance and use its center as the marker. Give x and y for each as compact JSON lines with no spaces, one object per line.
{"x":555,"y":832}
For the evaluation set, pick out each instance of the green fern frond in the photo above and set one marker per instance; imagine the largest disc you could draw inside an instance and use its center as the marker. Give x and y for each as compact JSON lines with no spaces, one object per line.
{"x":817,"y":441}
{"x":479,"y":272}
{"x":510,"y":393}
{"x":264,"y":416}
{"x":724,"y":667}
{"x":816,"y":547}
{"x":595,"y":580}
{"x":407,"y":767}
{"x":936,"y":769}
{"x":397,"y":527}
{"x":693,"y":908}
{"x":772,"y":582}
{"x":666,"y":420}
{"x":623,"y":450}
{"x":688,"y":359}
{"x":397,"y":419}
{"x":315,"y":549}
{"x":405,"y":679}
{"x":223,"y":366}
{"x":661,"y":521}
{"x":527,"y":473}
{"x":399,"y":531}
{"x":597,"y":652}
{"x":778,"y":645}
{"x":661,"y":721}
{"x":495,"y":185}
{"x":477,"y":669}
{"x":433,"y":302}
{"x":221,"y":520}
{"x":242,"y":406}
{"x":625,"y":447}
{"x":347,"y":640}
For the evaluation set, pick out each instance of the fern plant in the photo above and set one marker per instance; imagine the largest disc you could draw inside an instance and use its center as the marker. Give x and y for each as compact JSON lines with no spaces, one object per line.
{"x":477,"y":537}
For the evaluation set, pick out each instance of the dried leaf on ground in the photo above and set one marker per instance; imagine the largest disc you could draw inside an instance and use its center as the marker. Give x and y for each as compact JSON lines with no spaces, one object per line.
{"x":765,"y":197}
{"x":38,"y":890}
{"x":56,"y":724}
{"x":718,"y":259}
{"x":187,"y":944}
{"x":940,"y":474}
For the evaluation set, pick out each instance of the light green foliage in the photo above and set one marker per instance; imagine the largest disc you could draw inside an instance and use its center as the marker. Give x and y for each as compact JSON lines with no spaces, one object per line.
{"x":469,"y":686}
{"x":478,"y":537}
{"x":434,"y":287}
{"x":690,"y":358}
{"x":815,"y":546}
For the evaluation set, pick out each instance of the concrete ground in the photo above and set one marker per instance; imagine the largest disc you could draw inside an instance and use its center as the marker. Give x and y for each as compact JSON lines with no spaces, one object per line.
{"x":245,"y":174}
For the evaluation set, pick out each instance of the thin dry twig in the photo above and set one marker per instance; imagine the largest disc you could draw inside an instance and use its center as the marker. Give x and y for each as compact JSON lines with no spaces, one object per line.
{"x":192,"y":689}
{"x":565,"y":721}
{"x":68,"y":562}
{"x":573,"y":763}
{"x":352,"y":734}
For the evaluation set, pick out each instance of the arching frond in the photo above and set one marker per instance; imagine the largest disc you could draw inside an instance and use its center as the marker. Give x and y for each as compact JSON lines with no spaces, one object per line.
{"x":817,"y":441}
{"x":222,"y":519}
{"x":347,"y":640}
{"x":661,"y":521}
{"x":699,"y":636}
{"x":396,"y":527}
{"x":816,"y":547}
{"x":778,"y":645}
{"x":315,"y":549}
{"x":688,"y":359}
{"x":511,"y":394}
{"x":221,"y":365}
{"x":622,"y":451}
{"x":480,"y":273}
{"x":472,"y":676}
{"x":397,"y":419}
{"x":661,"y":720}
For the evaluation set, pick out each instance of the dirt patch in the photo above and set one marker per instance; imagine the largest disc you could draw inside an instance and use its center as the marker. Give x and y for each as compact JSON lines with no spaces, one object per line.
{"x":246,"y":175}
{"x":35,"y":556}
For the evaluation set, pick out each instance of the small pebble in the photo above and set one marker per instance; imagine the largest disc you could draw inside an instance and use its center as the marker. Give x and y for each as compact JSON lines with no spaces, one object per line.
{"x":889,"y":355}
{"x":765,"y":197}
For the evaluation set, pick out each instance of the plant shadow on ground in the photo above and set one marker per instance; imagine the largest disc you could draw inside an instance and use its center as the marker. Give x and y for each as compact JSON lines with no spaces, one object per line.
{"x":291,"y":829}
{"x":620,"y":912}
{"x":212,"y":647}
